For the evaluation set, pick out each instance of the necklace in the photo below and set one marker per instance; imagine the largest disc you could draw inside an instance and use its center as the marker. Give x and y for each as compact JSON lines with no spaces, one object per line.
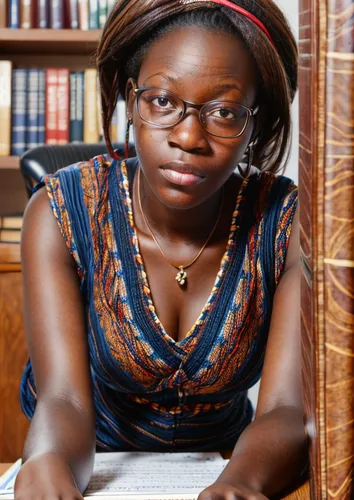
{"x":181,"y":276}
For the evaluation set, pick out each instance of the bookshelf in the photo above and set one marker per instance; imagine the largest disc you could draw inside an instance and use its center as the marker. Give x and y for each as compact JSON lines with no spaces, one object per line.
{"x":47,"y":41}
{"x":9,"y":162}
{"x":39,"y":48}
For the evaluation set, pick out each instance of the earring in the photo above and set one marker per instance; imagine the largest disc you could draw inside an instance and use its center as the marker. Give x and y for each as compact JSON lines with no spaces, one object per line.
{"x":126,"y":149}
{"x":246,"y":173}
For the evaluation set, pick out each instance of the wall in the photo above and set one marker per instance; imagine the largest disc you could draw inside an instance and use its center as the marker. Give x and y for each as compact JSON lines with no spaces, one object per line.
{"x":291,"y":10}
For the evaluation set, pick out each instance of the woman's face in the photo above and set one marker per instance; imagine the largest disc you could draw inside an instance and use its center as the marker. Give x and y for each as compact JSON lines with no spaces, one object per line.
{"x":198,"y":65}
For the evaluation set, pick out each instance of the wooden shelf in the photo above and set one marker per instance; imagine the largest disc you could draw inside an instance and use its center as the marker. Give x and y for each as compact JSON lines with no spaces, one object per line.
{"x":43,"y":41}
{"x":9,"y":162}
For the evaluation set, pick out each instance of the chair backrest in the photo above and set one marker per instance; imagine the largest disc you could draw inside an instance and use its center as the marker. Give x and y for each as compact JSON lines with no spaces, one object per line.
{"x":48,"y":159}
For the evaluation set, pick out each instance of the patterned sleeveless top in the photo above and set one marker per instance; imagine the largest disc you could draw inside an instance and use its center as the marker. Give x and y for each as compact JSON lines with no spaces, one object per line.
{"x":150,"y":391}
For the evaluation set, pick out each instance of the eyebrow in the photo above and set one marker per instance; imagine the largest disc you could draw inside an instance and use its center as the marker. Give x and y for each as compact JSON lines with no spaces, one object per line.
{"x":218,"y":88}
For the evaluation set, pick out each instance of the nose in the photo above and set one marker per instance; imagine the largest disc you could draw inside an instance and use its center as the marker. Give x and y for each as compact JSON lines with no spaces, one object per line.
{"x":189,"y":135}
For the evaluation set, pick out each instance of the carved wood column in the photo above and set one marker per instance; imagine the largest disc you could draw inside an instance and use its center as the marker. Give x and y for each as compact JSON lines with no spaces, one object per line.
{"x":327,"y":240}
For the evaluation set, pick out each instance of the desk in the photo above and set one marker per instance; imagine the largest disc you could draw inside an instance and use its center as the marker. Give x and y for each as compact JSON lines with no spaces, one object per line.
{"x":303,"y":493}
{"x":13,"y":354}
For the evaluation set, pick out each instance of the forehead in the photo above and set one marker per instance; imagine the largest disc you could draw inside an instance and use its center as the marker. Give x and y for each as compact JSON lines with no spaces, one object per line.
{"x":198,"y":60}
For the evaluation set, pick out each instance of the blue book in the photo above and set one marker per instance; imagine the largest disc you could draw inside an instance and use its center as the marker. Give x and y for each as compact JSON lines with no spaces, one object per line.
{"x":93,"y":20}
{"x":32,"y":109}
{"x":41,"y":107}
{"x":102,"y":13}
{"x":19,"y":111}
{"x":77,"y":107}
{"x":14,"y":14}
{"x":110,"y":5}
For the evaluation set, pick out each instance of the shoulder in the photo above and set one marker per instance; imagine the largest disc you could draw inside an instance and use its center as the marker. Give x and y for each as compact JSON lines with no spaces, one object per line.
{"x":271,"y":193}
{"x":89,"y":176}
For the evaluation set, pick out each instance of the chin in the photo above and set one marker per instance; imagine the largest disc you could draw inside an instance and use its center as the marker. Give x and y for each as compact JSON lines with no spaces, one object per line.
{"x":179,"y":199}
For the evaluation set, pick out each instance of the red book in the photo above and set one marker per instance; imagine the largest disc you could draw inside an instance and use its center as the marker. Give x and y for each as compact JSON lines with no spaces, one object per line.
{"x":63,"y":99}
{"x":51,"y":106}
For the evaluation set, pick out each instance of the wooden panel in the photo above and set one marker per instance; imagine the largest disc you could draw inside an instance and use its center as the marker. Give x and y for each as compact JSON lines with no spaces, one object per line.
{"x":13,"y":357}
{"x":327,"y":239}
{"x":339,"y":249}
{"x":307,"y":160}
{"x":13,"y":196}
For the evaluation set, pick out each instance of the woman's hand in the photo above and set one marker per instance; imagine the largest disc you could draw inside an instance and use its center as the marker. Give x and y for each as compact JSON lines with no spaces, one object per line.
{"x":46,"y":477}
{"x":224,"y":491}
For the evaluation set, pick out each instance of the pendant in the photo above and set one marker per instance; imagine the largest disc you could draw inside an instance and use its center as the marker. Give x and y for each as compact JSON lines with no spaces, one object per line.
{"x":181,"y":277}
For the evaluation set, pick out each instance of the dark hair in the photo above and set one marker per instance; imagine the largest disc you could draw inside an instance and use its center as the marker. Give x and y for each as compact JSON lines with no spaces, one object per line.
{"x":134,"y":25}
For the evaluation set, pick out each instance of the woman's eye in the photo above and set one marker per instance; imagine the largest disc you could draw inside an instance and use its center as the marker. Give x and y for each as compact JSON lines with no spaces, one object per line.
{"x":162,"y":102}
{"x":224,"y":113}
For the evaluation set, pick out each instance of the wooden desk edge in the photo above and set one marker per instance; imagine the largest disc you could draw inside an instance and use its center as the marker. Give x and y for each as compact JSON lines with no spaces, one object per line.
{"x":302,"y":493}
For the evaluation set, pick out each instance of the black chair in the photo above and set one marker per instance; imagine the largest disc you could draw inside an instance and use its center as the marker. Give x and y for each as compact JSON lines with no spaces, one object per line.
{"x":48,"y":159}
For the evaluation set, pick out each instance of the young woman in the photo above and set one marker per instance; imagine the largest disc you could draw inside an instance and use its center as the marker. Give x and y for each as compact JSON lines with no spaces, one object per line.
{"x":158,"y":289}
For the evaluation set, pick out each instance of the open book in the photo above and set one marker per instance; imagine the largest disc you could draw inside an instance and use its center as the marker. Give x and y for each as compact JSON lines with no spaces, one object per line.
{"x":142,"y":476}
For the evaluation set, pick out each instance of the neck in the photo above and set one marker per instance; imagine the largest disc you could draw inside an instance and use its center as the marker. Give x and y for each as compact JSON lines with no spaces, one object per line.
{"x":185,"y":226}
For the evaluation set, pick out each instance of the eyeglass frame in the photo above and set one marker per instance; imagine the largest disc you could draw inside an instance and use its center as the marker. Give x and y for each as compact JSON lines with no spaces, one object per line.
{"x":187,"y":104}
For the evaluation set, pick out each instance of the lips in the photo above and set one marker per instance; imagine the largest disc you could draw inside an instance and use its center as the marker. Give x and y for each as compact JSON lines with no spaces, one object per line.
{"x":182,"y":174}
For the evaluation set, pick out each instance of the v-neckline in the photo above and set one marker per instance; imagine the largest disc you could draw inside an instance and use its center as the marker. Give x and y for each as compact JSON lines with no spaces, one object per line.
{"x":145,"y":289}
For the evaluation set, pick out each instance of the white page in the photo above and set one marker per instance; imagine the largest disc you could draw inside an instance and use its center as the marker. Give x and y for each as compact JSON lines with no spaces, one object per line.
{"x":147,"y":476}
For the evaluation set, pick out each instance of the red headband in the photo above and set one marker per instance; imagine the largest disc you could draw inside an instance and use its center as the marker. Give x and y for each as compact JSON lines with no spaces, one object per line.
{"x":240,"y":10}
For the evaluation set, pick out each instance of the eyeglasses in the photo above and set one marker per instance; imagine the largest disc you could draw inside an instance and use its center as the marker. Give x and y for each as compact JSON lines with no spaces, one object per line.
{"x":164,"y":109}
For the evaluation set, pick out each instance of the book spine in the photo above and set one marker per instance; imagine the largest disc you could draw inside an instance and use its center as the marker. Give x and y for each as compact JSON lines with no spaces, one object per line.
{"x":72,"y":106}
{"x":93,"y":6}
{"x":122,"y":120}
{"x":25,"y":14}
{"x":51,"y":106}
{"x":76,"y":107}
{"x":110,"y":5}
{"x":83,"y":14}
{"x":56,"y":14}
{"x":80,"y":106}
{"x":3,"y":14}
{"x":91,"y":134}
{"x":32,"y":109}
{"x":114,"y":126}
{"x":102,"y":13}
{"x":63,"y":106}
{"x":14,"y":14}
{"x":5,"y":107}
{"x":11,"y":222}
{"x":19,"y":104}
{"x":99,"y":113}
{"x":43,"y":14}
{"x":10,"y":235}
{"x":71,"y":14}
{"x":41,"y":108}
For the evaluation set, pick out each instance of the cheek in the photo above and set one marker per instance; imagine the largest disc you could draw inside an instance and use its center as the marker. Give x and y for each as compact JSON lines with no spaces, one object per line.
{"x":148,"y":141}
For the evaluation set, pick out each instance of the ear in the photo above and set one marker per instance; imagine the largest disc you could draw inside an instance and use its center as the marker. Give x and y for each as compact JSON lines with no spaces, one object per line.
{"x":130,"y":97}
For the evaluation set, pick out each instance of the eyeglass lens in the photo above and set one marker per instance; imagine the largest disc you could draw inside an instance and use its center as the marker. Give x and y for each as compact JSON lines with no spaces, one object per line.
{"x":220,"y":118}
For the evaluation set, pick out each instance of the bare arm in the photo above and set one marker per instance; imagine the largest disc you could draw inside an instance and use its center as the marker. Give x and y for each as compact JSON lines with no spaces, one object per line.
{"x":62,"y":432}
{"x":272,"y":451}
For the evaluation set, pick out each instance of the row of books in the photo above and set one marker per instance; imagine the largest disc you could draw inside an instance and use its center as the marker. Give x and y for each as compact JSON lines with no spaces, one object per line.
{"x":10,"y":229}
{"x":55,"y":14}
{"x":52,"y":106}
